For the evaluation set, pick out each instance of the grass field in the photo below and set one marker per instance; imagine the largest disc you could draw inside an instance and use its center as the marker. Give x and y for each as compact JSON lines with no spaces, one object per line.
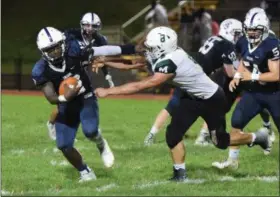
{"x":32,"y":166}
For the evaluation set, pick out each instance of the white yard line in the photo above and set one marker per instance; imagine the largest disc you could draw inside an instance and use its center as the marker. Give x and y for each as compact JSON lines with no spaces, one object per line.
{"x":106,"y":187}
{"x":17,"y":151}
{"x":201,"y":181}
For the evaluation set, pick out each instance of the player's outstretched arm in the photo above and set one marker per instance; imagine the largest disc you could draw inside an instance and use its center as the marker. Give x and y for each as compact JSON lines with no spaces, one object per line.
{"x":123,"y":66}
{"x":114,"y":50}
{"x":130,"y":88}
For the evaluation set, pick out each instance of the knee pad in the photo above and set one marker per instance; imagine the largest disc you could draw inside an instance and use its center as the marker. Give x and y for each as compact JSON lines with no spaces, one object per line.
{"x":91,"y":134}
{"x":220,"y":139}
{"x":172,"y":137}
{"x":65,"y":149}
{"x":237,"y":119}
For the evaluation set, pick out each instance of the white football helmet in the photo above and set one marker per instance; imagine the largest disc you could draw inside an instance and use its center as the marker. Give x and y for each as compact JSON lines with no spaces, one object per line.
{"x":254,"y":10}
{"x":51,"y":42}
{"x":231,"y":30}
{"x":90,"y":23}
{"x":256,"y":27}
{"x":160,"y":41}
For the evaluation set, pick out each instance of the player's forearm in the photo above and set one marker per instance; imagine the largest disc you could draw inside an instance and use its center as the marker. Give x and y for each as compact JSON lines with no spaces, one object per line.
{"x":269,"y":77}
{"x":118,"y":65}
{"x":129,"y":88}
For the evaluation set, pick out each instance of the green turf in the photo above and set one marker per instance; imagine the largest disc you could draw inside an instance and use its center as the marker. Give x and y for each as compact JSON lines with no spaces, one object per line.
{"x":138,"y":170}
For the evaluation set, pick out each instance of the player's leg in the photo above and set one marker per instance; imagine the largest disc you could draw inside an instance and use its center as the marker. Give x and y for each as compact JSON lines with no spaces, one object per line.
{"x":89,"y":117}
{"x":158,"y":124}
{"x":182,"y":118}
{"x":267,"y":124}
{"x":66,"y":127}
{"x":162,"y":117}
{"x":51,"y":124}
{"x":273,"y":107}
{"x":247,"y":108}
{"x":219,"y":77}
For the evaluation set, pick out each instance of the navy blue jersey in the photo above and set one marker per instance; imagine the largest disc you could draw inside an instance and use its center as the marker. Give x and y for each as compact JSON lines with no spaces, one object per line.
{"x":43,"y":71}
{"x":98,"y":39}
{"x":256,"y":61}
{"x":238,"y":44}
{"x":215,"y":52}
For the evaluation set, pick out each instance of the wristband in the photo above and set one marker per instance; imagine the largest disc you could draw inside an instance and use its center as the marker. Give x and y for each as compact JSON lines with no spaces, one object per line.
{"x":62,"y":98}
{"x":128,"y":49}
{"x":237,"y":75}
{"x":255,"y":77}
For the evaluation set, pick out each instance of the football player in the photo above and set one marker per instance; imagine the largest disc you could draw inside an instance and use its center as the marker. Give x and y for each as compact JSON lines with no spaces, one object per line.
{"x":61,"y":58}
{"x":258,"y":75}
{"x":200,"y":97}
{"x":87,"y":35}
{"x":216,"y":55}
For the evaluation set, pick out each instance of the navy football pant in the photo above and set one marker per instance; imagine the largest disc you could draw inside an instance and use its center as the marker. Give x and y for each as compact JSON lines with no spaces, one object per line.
{"x":174,"y":100}
{"x":252,"y":103}
{"x":71,"y":114}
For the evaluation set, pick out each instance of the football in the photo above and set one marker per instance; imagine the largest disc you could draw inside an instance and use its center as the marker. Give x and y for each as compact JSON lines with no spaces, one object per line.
{"x":70,"y":81}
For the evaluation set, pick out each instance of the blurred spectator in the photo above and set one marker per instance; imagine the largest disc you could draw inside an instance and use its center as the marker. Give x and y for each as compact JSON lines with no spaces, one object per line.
{"x":185,"y":20}
{"x":157,"y":15}
{"x":215,"y":28}
{"x":205,"y":27}
{"x":196,"y":37}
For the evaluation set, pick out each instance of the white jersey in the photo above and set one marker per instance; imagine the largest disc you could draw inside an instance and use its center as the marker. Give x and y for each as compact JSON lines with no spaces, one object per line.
{"x":189,"y":76}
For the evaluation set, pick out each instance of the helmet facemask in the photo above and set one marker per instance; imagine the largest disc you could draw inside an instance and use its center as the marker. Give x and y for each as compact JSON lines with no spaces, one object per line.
{"x":153,"y":53}
{"x":55,"y":52}
{"x":88,"y":29}
{"x":255,"y":34}
{"x":237,"y":33}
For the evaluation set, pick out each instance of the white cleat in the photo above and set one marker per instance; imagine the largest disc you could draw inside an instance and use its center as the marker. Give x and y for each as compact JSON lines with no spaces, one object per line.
{"x":107,"y":155}
{"x":203,"y":139}
{"x":272,"y":136}
{"x":229,"y":163}
{"x":149,"y":139}
{"x":87,"y":175}
{"x":51,"y":130}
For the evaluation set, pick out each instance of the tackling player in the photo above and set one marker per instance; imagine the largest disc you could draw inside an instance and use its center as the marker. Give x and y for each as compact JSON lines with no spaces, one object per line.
{"x":200,"y":97}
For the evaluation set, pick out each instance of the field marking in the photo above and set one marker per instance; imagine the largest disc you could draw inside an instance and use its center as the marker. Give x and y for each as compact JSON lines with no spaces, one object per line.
{"x":56,"y":163}
{"x":269,"y":179}
{"x":17,"y":151}
{"x":6,"y":193}
{"x":106,"y":187}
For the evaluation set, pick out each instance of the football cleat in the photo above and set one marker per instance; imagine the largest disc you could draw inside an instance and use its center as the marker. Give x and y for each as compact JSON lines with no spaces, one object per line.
{"x":87,"y":175}
{"x":229,"y":163}
{"x":149,"y":139}
{"x":179,"y":175}
{"x":107,"y":155}
{"x":51,"y":130}
{"x":263,"y":139}
{"x":203,"y":139}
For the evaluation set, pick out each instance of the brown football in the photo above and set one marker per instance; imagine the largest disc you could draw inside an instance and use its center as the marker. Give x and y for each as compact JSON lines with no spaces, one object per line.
{"x":70,"y":81}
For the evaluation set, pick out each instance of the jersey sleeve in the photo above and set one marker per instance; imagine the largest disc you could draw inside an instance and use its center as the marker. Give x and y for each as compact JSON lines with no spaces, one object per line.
{"x":37,"y":74}
{"x":273,"y":52}
{"x":166,"y":66}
